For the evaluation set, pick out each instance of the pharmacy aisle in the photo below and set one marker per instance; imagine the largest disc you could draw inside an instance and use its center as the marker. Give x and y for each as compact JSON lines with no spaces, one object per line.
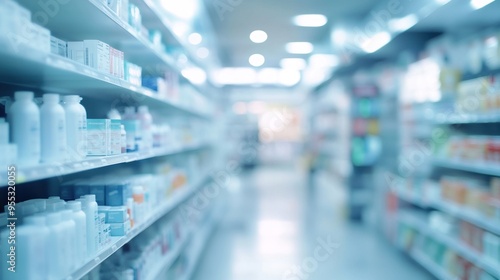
{"x":276,"y":229}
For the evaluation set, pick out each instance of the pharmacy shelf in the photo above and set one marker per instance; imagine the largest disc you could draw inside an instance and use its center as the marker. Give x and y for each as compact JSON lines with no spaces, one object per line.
{"x":53,"y":73}
{"x":469,"y":119}
{"x":457,"y":211}
{"x":71,"y":23}
{"x":45,"y":171}
{"x":475,"y":167}
{"x":451,"y":242}
{"x":199,"y":244}
{"x":117,"y":243}
{"x":167,"y":261}
{"x":431,"y":266}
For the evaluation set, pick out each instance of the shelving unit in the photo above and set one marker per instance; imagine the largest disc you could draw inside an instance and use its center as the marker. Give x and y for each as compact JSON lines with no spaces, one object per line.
{"x":451,"y":242}
{"x":475,"y":167}
{"x":24,"y":67}
{"x":433,"y":268}
{"x":41,"y":171}
{"x":117,"y":243}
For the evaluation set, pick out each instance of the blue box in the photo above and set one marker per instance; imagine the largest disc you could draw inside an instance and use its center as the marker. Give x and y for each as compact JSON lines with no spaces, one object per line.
{"x":117,"y":194}
{"x":99,"y":189}
{"x":80,"y":189}
{"x":120,"y":229}
{"x":116,"y":214}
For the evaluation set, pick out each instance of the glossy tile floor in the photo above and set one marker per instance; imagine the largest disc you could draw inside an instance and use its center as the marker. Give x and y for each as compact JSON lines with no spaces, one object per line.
{"x":276,"y":228}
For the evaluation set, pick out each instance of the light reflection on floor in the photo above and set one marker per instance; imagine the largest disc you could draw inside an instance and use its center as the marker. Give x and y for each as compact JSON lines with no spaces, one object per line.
{"x":276,"y":229}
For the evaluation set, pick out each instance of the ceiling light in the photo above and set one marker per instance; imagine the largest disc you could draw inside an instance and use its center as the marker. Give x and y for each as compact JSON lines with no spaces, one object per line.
{"x":234,"y":76}
{"x":299,"y":48}
{"x":324,"y":60}
{"x":258,"y":36}
{"x":315,"y":76}
{"x":376,"y":42}
{"x":293,"y":63}
{"x":478,"y":4}
{"x":186,"y":9}
{"x":403,"y":24}
{"x":195,"y":39}
{"x":311,"y":20}
{"x":268,"y":76}
{"x":257,"y":60}
{"x":289,"y":78}
{"x":202,"y":52}
{"x":195,"y":75}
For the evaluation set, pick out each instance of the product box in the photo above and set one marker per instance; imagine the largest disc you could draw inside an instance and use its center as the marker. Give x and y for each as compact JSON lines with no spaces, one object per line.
{"x":116,"y":214}
{"x":40,"y":37}
{"x":120,"y":8}
{"x":99,"y":189}
{"x":76,"y":51}
{"x":117,"y":63}
{"x":58,"y":46}
{"x":119,"y":229}
{"x":133,"y":73}
{"x":135,"y":18}
{"x":134,"y":139}
{"x":97,"y":55}
{"x":115,"y":146}
{"x":117,"y":193}
{"x":81,"y":189}
{"x":98,"y":137}
{"x":13,"y":22}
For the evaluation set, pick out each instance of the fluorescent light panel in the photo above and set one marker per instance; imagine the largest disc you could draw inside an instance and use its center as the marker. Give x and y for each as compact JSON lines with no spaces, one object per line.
{"x":478,"y":4}
{"x":256,"y":60}
{"x":310,"y":20}
{"x":250,"y":76}
{"x":293,"y":63}
{"x":258,"y":36}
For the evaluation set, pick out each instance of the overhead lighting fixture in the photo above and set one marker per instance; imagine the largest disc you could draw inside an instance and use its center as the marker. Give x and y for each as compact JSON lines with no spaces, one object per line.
{"x":403,"y":24}
{"x":293,"y":63}
{"x":310,"y":20}
{"x":256,"y":60}
{"x":376,"y":42}
{"x":315,"y":76}
{"x":202,"y":52}
{"x":299,"y":48}
{"x":478,"y":4}
{"x":340,"y":36}
{"x":258,"y":36}
{"x":195,"y":39}
{"x":324,"y":61}
{"x":234,"y":76}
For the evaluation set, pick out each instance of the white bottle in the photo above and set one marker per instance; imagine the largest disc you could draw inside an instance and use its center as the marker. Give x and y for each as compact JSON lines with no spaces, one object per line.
{"x":113,"y":114}
{"x":81,"y":230}
{"x":53,"y":124}
{"x":123,"y":139}
{"x":31,"y":245}
{"x":89,"y":206}
{"x":70,"y":240}
{"x":24,"y":116}
{"x":4,"y":132}
{"x":76,"y":126}
{"x":57,"y":258}
{"x":146,"y":121}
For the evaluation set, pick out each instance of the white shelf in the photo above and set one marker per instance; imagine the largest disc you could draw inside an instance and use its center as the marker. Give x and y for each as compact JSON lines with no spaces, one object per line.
{"x":469,"y":118}
{"x":476,"y":167}
{"x":171,"y":204}
{"x":432,"y":267}
{"x":45,"y":171}
{"x":452,"y":243}
{"x":463,"y":213}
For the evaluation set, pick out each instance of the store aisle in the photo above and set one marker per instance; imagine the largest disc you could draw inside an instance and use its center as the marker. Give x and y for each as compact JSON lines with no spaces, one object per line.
{"x":276,"y":228}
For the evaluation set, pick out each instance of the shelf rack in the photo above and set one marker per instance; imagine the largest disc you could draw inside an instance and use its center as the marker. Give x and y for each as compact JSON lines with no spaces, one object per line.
{"x":432,"y":267}
{"x":475,"y":167}
{"x":451,"y":242}
{"x":117,"y":243}
{"x":45,"y":171}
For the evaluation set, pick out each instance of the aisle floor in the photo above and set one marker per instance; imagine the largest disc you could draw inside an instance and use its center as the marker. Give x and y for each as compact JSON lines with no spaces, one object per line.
{"x":275,"y":228}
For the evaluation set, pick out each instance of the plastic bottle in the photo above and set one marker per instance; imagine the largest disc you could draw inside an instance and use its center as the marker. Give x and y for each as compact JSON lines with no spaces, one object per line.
{"x":4,"y":132}
{"x":146,"y":123}
{"x":53,"y":124}
{"x":80,"y":220}
{"x":133,"y":128}
{"x":57,"y":257}
{"x":76,"y":126}
{"x":24,"y":117}
{"x":70,"y":240}
{"x":138,"y":196}
{"x":31,"y":241}
{"x":89,"y":206}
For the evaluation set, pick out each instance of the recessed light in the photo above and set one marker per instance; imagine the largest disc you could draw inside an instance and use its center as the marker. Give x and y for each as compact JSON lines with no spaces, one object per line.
{"x":257,"y":60}
{"x":258,"y":36}
{"x":202,"y":52}
{"x":195,"y":39}
{"x":299,"y":48}
{"x":293,"y":63}
{"x":310,"y":20}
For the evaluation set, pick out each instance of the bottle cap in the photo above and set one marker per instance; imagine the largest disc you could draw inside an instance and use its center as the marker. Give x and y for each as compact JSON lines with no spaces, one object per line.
{"x":71,"y":98}
{"x":18,"y":95}
{"x":89,"y":197}
{"x":51,"y":97}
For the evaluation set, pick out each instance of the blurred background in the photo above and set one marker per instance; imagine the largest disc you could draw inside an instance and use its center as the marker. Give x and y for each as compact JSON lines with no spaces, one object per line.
{"x":337,"y":139}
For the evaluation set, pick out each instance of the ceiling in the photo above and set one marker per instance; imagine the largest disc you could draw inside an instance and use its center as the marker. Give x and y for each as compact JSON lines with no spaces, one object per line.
{"x":233,"y":25}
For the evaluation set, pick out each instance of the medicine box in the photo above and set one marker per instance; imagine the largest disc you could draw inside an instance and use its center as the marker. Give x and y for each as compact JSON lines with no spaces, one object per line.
{"x":97,"y":55}
{"x":115,"y":137}
{"x":120,"y":229}
{"x":98,"y":137}
{"x":58,"y":46}
{"x":117,"y":193}
{"x":76,"y":51}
